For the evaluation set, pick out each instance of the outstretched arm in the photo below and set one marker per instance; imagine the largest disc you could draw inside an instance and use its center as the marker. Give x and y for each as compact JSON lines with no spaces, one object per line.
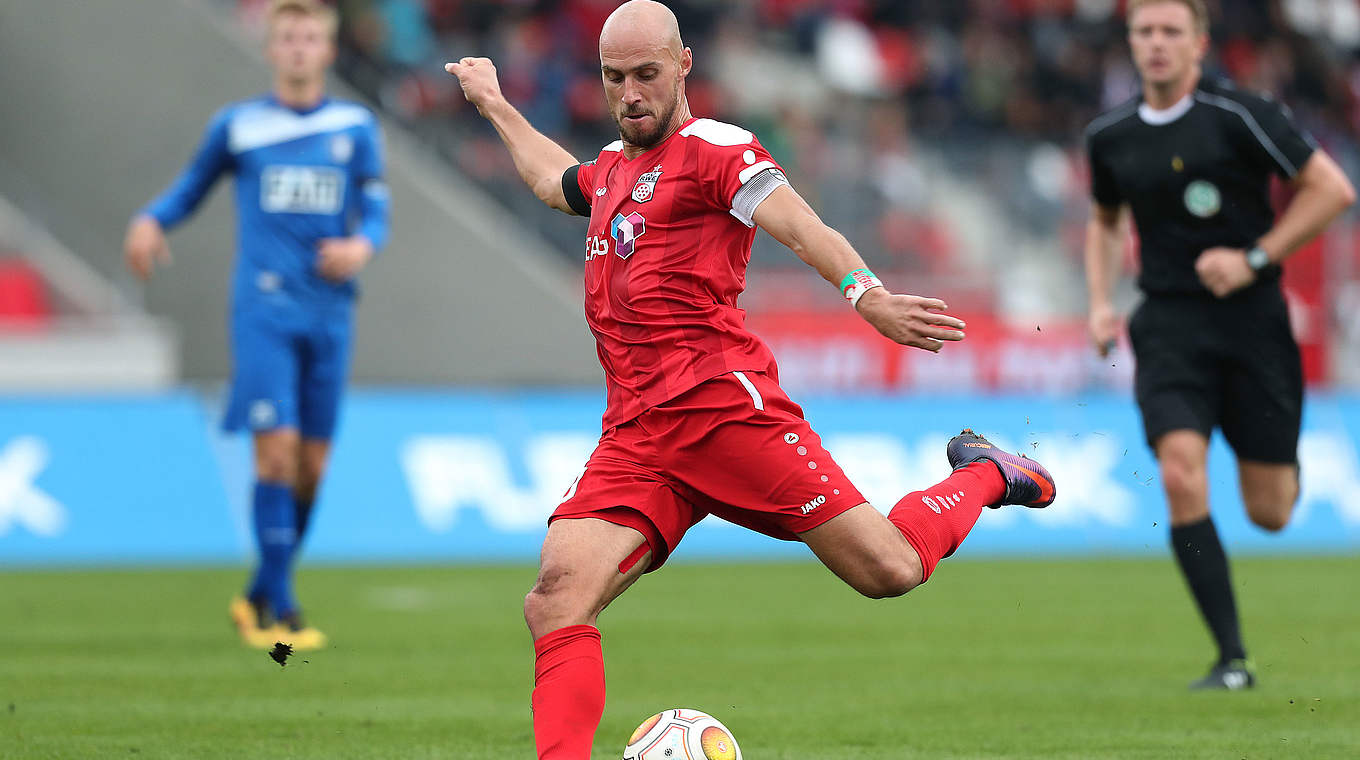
{"x":540,"y":161}
{"x":909,"y":320}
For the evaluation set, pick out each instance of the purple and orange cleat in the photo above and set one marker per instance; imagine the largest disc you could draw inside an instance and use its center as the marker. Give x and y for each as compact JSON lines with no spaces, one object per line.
{"x":1027,"y":482}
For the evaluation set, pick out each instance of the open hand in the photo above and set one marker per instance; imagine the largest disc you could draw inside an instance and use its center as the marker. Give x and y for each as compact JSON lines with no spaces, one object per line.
{"x":914,"y":321}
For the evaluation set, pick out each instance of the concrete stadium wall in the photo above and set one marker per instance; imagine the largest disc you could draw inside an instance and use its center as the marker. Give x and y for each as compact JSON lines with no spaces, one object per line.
{"x":102,"y":102}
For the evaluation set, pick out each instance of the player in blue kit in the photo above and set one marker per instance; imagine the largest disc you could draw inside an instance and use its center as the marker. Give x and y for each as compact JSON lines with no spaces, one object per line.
{"x":312,"y":210}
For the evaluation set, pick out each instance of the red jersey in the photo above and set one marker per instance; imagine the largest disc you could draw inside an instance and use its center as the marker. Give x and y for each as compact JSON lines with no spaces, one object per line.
{"x":666,"y":255}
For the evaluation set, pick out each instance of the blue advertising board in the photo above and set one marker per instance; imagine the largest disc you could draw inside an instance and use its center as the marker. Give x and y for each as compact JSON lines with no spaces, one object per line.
{"x":472,"y":476}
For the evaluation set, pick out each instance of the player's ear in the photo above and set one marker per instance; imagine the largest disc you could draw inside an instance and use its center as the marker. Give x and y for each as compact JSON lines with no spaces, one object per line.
{"x":686,"y":62}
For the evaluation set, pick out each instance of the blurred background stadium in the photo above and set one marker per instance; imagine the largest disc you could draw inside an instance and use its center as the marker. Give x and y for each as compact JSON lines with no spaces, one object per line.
{"x":943,"y":137}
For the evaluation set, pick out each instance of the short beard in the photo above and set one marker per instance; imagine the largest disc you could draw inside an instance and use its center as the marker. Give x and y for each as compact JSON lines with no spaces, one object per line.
{"x":656,"y":134}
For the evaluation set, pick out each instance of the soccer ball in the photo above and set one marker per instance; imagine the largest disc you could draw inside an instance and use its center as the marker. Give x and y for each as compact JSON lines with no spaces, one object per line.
{"x":682,"y":735}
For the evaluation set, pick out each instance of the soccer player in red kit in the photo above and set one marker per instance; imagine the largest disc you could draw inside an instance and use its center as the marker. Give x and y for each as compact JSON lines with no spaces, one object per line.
{"x":696,"y":422}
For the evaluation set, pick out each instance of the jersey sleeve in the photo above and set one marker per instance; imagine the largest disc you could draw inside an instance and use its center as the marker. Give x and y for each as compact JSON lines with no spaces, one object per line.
{"x":374,"y":199}
{"x":210,"y":160}
{"x":1277,"y":141}
{"x":1104,"y":188}
{"x":736,"y":171}
{"x":578,"y":187}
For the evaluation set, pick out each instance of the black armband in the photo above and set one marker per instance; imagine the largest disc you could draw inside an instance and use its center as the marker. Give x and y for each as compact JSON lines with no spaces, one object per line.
{"x":571,"y":190}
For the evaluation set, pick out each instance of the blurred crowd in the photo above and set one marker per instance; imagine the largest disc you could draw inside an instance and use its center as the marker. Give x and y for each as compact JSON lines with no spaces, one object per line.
{"x":878,"y":109}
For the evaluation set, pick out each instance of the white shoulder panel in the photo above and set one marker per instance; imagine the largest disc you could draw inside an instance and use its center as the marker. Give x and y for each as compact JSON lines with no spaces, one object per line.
{"x":262,"y":125}
{"x":613,"y":147}
{"x":718,"y":133}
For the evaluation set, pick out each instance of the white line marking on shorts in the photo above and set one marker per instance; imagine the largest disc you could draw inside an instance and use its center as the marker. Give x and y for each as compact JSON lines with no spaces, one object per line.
{"x":751,"y":389}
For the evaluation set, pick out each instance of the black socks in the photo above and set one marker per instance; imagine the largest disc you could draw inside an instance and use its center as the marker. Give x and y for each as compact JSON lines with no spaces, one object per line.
{"x":1205,"y":567}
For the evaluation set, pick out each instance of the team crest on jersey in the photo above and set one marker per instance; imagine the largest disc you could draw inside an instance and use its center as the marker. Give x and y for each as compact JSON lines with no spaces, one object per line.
{"x":626,"y":230}
{"x":342,"y":147}
{"x":646,"y":185}
{"x":1202,"y":199}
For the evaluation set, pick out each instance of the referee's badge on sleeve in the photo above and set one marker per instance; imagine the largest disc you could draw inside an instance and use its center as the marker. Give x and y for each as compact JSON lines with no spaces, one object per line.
{"x":1202,"y":199}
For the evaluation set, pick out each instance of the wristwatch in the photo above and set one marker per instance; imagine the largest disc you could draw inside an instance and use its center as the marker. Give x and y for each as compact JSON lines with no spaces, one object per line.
{"x":1257,"y":258}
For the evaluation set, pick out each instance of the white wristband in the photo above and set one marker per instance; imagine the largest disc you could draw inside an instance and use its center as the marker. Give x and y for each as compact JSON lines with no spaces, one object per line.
{"x":857,"y":283}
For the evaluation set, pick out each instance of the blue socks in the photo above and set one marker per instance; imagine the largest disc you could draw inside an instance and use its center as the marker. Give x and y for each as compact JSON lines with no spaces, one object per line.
{"x":276,"y":535}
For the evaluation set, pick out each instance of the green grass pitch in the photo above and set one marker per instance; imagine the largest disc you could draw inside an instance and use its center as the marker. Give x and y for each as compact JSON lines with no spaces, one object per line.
{"x":991,"y":659}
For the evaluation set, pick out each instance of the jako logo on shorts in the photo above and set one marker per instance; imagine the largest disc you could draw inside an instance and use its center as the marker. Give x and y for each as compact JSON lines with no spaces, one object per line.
{"x":626,"y":230}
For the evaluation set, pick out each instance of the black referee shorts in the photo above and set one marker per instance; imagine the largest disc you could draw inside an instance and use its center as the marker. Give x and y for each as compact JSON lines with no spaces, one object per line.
{"x":1204,"y":363}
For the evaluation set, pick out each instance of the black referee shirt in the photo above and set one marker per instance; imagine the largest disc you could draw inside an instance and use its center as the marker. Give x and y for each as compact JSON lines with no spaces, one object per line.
{"x":1196,"y":175}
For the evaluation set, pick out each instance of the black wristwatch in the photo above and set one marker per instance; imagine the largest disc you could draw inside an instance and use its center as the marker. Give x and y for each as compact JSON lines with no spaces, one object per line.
{"x":1257,"y":258}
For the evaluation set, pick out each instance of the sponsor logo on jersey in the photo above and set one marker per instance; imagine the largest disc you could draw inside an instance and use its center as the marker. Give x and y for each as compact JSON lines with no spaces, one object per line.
{"x":600,"y":191}
{"x":342,"y":147}
{"x":1202,"y":199}
{"x":817,"y":502}
{"x":596,"y":247}
{"x":646,"y":185}
{"x":626,"y":230}
{"x":301,"y":189}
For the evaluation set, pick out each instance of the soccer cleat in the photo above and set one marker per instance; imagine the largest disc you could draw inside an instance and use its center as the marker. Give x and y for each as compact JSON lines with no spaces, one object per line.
{"x":297,"y":634}
{"x":1232,"y":675}
{"x":252,"y":621}
{"x":1027,"y":482}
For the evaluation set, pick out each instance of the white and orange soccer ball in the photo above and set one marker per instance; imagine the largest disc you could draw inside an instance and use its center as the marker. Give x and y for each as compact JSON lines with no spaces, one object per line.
{"x":682,"y":734}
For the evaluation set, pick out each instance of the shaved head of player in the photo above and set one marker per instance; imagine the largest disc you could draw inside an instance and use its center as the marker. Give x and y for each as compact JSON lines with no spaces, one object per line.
{"x":1168,"y":40}
{"x":644,"y":64}
{"x":695,"y":421}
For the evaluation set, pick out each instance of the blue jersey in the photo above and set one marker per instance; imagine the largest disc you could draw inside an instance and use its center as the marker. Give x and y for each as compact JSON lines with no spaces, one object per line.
{"x":301,"y":176}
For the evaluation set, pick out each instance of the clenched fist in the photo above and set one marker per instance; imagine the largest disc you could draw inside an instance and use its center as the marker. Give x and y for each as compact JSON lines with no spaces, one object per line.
{"x":478,"y":78}
{"x":1224,"y":271}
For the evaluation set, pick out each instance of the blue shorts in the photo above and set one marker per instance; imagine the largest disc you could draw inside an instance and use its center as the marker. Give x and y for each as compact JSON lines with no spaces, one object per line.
{"x":287,"y":373}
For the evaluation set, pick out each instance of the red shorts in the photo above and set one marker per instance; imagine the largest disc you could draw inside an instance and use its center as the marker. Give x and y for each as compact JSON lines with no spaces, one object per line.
{"x":734,"y":446}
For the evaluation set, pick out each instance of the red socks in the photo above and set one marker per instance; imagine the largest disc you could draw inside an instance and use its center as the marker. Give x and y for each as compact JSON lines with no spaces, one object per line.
{"x":936,"y":520}
{"x":568,"y":698}
{"x":568,"y":692}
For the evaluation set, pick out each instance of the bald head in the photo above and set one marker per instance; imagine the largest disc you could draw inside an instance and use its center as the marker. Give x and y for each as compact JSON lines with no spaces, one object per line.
{"x":643,"y":65}
{"x":638,"y":26}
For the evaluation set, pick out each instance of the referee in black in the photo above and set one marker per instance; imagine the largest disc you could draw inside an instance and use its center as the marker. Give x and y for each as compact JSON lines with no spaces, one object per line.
{"x":1191,"y":159}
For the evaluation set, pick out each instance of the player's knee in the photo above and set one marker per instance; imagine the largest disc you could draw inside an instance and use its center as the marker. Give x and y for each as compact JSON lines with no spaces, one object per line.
{"x":551,"y":603}
{"x":888,"y":578}
{"x":1271,"y":521}
{"x":276,"y":468}
{"x":1270,"y":514}
{"x":1183,"y":479}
